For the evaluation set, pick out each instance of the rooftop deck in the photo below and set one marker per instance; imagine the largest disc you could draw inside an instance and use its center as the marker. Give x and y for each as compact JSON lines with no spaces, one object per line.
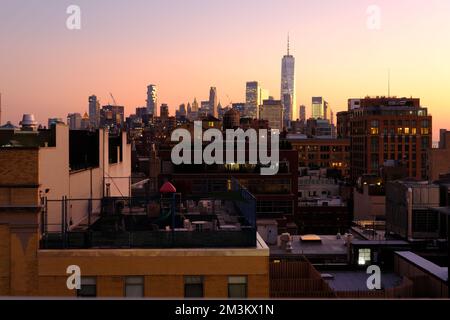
{"x":166,"y":221}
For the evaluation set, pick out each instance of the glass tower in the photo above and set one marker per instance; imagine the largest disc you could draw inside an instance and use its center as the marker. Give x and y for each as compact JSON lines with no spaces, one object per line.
{"x":288,"y":97}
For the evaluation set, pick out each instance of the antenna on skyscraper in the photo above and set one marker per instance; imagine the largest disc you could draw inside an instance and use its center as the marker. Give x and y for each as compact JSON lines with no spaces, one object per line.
{"x":288,"y":44}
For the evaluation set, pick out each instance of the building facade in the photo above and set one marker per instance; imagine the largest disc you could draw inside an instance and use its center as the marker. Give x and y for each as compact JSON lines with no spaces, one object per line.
{"x":385,"y":129}
{"x":288,"y":94}
{"x":272,"y":111}
{"x":152,"y":100}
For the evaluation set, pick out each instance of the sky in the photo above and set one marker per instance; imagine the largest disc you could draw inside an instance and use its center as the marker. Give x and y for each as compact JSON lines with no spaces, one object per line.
{"x":187,"y":46}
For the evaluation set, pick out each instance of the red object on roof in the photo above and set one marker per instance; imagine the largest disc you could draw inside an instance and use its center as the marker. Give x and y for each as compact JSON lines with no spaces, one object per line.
{"x":168,"y":188}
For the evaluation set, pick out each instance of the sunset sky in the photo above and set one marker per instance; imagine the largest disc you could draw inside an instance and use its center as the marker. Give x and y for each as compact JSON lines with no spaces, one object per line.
{"x":186,"y":46}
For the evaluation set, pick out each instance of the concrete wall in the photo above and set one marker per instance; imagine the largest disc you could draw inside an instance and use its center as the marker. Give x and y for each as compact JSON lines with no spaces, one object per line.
{"x":366,"y":207}
{"x":54,"y":175}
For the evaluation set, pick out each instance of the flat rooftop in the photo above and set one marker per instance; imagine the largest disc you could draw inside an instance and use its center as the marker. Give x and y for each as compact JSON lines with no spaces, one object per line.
{"x":357,"y":280}
{"x":329,"y":245}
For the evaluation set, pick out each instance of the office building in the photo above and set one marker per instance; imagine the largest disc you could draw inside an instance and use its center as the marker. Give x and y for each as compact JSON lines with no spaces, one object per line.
{"x":319,"y":108}
{"x":331,"y":154}
{"x":383,"y":129}
{"x":152,"y":100}
{"x":112,"y":117}
{"x":302,"y":115}
{"x":288,"y":94}
{"x":94,"y":111}
{"x":252,"y":99}
{"x":164,"y":114}
{"x":272,"y":111}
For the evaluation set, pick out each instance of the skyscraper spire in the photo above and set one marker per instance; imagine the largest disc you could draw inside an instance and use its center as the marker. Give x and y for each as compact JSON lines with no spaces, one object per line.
{"x":288,"y":44}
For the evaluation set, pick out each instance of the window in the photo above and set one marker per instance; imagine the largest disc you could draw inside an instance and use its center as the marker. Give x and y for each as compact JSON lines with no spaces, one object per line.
{"x":364,"y":257}
{"x":193,"y":287}
{"x":237,"y":287}
{"x":88,"y":288}
{"x":134,"y":287}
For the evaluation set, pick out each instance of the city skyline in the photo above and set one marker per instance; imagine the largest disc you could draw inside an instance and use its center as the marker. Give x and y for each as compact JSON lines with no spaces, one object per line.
{"x":59,"y":68}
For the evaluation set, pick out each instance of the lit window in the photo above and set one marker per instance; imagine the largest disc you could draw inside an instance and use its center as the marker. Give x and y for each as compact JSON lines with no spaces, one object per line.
{"x":364,"y":257}
{"x":406,"y":130}
{"x":374,"y":131}
{"x":237,"y":287}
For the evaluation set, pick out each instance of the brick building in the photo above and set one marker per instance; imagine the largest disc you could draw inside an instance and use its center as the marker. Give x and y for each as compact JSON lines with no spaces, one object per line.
{"x":383,"y":129}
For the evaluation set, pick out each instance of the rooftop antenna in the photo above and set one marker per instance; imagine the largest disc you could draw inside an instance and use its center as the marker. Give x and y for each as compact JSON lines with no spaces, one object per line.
{"x":288,"y":44}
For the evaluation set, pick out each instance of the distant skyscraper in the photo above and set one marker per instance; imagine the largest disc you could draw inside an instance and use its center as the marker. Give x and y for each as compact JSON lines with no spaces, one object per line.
{"x":94,"y":111}
{"x":318,"y":108}
{"x":74,"y":121}
{"x":164,"y":111}
{"x":213,"y":102}
{"x":252,"y":99}
{"x":302,"y":113}
{"x":263,"y":95}
{"x":272,"y":111}
{"x":152,"y":100}
{"x":288,"y":97}
{"x":195,"y":105}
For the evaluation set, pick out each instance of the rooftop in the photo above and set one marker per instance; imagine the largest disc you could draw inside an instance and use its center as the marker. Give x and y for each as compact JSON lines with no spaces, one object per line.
{"x":357,"y":280}
{"x":329,"y":245}
{"x":427,"y":266}
{"x":216,"y":220}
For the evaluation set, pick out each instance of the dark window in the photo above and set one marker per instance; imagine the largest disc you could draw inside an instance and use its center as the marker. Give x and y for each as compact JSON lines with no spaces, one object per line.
{"x":193,"y":287}
{"x":237,"y":287}
{"x":88,"y":288}
{"x":134,"y":287}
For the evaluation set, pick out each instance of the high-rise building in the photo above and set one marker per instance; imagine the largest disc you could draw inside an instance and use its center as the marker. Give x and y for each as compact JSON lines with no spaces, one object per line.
{"x":164,"y":112}
{"x":74,"y":121}
{"x":288,"y":97}
{"x":0,"y":109}
{"x":263,"y":95}
{"x":272,"y":111}
{"x":112,"y":116}
{"x":195,"y":105}
{"x":384,"y":130}
{"x":254,"y":98}
{"x":319,"y":106}
{"x":302,"y":114}
{"x":94,"y":111}
{"x":152,"y":100}
{"x":213,"y":102}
